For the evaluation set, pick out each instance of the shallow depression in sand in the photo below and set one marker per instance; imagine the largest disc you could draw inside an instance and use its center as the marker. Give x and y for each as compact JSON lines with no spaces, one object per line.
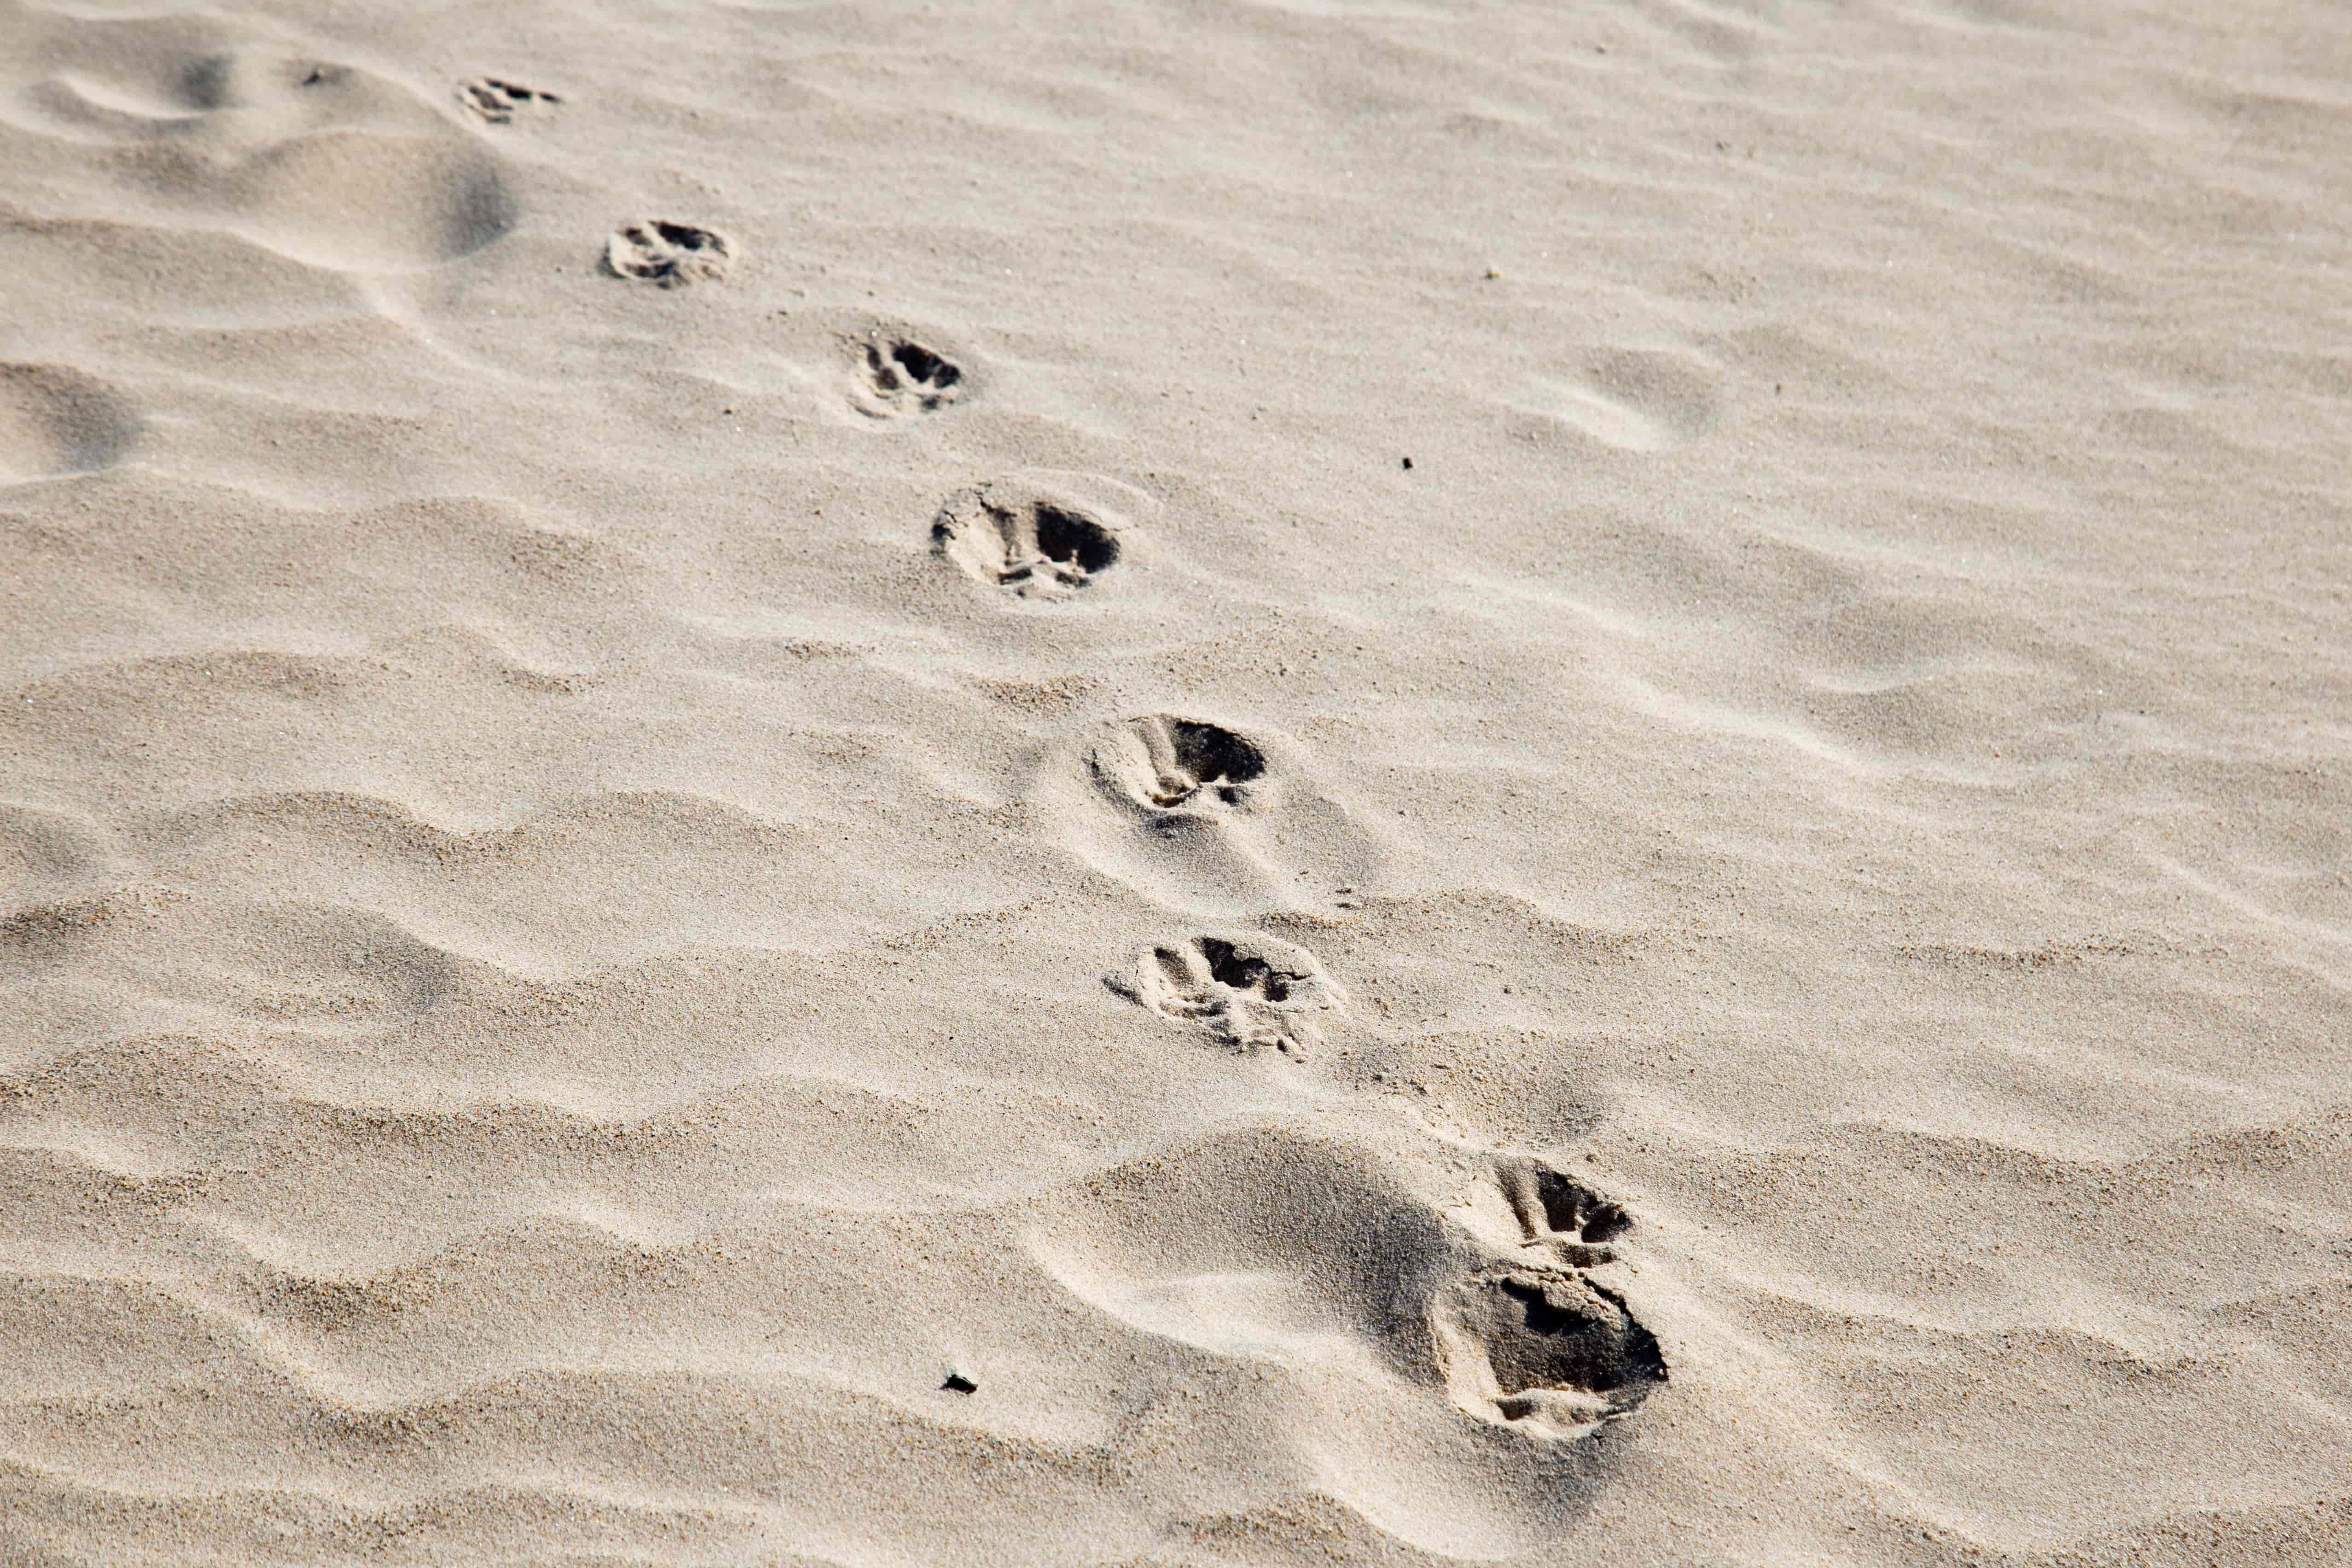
{"x":55,"y":421}
{"x":356,"y":201}
{"x":1639,"y":399}
{"x":321,"y":161}
{"x":1161,"y":763}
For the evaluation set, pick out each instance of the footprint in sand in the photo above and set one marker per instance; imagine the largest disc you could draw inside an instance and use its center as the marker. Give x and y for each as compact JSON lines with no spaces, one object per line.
{"x":1544,"y":1352}
{"x":55,"y":421}
{"x":1290,"y":1248}
{"x":1249,"y":991}
{"x":1032,"y":543}
{"x":1200,"y":817}
{"x":497,"y":101}
{"x":1533,"y":1344}
{"x":672,"y":255}
{"x":1171,"y":769}
{"x":1562,"y":1216}
{"x":899,"y":379}
{"x":316,"y":160}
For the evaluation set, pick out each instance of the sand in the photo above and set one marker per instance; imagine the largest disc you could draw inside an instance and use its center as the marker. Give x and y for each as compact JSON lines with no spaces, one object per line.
{"x":1184,"y":784}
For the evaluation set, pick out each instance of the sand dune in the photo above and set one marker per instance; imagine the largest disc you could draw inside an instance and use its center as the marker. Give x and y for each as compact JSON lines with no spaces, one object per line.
{"x":1227,"y":783}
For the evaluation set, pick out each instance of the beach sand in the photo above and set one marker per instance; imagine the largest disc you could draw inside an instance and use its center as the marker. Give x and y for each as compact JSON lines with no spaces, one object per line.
{"x":1192,"y":782}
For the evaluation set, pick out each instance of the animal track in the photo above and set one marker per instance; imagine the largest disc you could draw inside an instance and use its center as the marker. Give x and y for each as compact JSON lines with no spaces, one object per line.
{"x":1032,"y":545}
{"x":1202,"y":818}
{"x":902,"y":378}
{"x":55,"y":421}
{"x":1530,"y":1342}
{"x":1250,"y":991}
{"x":1569,"y":1220}
{"x":497,"y":101}
{"x":670,"y":254}
{"x":1166,"y":767}
{"x":1544,"y":1350}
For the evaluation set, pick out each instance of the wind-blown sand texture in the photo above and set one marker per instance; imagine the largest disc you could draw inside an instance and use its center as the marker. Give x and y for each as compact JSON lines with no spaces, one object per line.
{"x":1177,"y":783}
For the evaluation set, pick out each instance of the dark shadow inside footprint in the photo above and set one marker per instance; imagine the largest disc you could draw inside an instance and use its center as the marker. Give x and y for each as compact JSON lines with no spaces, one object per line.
{"x":1570,"y":1209}
{"x":1570,"y":1345}
{"x":1227,"y":966}
{"x":1207,"y":756}
{"x":923,"y":367}
{"x":1250,"y":991}
{"x":1074,"y":539}
{"x":1161,"y":763}
{"x":685,"y":236}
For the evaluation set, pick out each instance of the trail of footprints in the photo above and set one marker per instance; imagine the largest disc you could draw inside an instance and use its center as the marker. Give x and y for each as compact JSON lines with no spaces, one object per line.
{"x":1528,"y":1342}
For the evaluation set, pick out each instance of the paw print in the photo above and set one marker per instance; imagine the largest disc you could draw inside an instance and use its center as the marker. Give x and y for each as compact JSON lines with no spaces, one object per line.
{"x":1560,"y":1217}
{"x":1030,"y":546}
{"x":1250,"y":992}
{"x":1165,"y":765}
{"x":901,"y":379}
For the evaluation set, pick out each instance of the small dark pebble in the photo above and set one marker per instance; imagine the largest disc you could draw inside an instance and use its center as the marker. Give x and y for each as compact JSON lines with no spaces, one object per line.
{"x":1408,"y":462}
{"x":960,"y":1383}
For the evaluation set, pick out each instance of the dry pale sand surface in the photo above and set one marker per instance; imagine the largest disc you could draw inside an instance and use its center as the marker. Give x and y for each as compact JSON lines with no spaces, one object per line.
{"x":1175,"y":782}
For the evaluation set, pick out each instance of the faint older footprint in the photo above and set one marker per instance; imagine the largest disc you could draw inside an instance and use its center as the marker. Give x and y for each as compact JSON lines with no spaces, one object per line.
{"x":1249,"y":991}
{"x":497,"y":101}
{"x":1544,"y":1350}
{"x":55,"y":421}
{"x":319,"y":161}
{"x":902,"y":378}
{"x":1033,"y":544}
{"x":1644,"y":400}
{"x":672,"y":255}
